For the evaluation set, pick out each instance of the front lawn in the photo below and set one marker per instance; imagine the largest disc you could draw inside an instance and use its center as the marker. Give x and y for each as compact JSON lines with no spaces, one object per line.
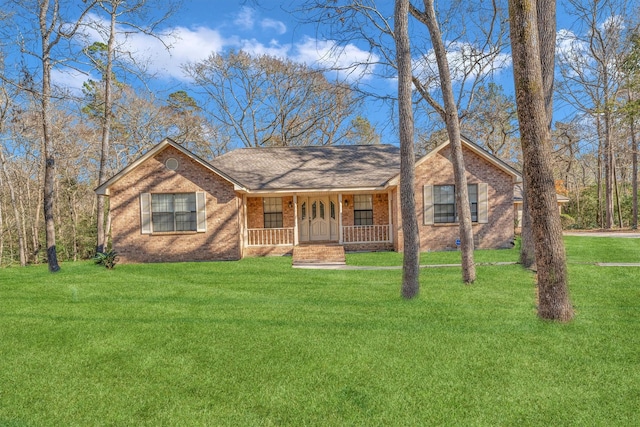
{"x":256,"y":342}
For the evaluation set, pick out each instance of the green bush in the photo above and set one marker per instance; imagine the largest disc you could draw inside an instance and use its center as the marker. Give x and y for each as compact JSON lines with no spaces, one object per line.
{"x":108,"y":259}
{"x":567,"y":221}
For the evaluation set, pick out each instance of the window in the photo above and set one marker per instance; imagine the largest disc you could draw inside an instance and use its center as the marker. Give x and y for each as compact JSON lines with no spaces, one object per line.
{"x":272,"y":212}
{"x":363,"y":209}
{"x":472,"y":189}
{"x":444,"y":203}
{"x":173,"y":212}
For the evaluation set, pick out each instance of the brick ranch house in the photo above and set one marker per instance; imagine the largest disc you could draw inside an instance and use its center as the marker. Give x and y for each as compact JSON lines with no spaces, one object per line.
{"x":170,"y":205}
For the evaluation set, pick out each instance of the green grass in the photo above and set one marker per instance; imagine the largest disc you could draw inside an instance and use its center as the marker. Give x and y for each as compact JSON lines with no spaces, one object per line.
{"x":255,"y":342}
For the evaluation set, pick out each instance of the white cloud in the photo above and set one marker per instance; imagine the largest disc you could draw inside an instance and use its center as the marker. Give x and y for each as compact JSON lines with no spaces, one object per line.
{"x":567,"y":43}
{"x":186,"y":45}
{"x":272,"y":24}
{"x":254,"y":47}
{"x":245,"y":19}
{"x":349,"y":61}
{"x":465,"y":62}
{"x":70,"y":79}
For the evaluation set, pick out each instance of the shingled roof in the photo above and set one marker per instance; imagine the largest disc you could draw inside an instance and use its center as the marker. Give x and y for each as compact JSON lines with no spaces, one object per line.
{"x":311,"y":167}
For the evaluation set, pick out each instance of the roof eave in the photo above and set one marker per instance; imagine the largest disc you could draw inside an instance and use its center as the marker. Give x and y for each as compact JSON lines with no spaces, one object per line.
{"x":473,"y":147}
{"x":315,"y":190}
{"x":103,"y":190}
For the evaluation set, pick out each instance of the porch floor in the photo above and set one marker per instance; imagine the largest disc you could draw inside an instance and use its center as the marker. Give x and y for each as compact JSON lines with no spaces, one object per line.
{"x":325,"y":253}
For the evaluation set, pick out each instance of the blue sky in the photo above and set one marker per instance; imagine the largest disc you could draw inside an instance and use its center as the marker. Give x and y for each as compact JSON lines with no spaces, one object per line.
{"x":261,"y":27}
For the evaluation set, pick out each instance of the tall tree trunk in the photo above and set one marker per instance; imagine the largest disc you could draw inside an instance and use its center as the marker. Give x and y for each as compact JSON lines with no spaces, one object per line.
{"x":527,"y":245}
{"x":608,"y":170}
{"x":546,"y":17}
{"x":106,"y":129}
{"x":599,"y":217}
{"x":411,"y":256}
{"x":1,"y":229}
{"x":48,"y":148}
{"x":536,"y":147}
{"x":634,"y":174}
{"x":455,"y":144}
{"x":615,"y":187}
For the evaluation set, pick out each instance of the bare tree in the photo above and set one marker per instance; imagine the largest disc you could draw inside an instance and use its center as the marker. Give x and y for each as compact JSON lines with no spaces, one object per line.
{"x":553,"y":295}
{"x":631,"y":67}
{"x":5,"y":102}
{"x":590,"y":63}
{"x":491,"y":120}
{"x":450,"y":116}
{"x":545,"y":13}
{"x":125,"y":18}
{"x":266,"y":101}
{"x":411,"y":256}
{"x":46,"y":43}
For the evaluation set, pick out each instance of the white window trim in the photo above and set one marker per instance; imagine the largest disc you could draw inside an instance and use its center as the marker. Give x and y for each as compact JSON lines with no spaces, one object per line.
{"x":483,"y":204}
{"x":146,"y":225}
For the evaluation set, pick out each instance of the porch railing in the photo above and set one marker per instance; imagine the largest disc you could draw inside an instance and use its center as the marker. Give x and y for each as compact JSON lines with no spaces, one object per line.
{"x":270,"y":236}
{"x":366,"y":233}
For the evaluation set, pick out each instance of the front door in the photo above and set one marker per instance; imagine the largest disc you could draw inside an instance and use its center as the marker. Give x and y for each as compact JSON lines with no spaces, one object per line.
{"x":317,"y":218}
{"x":319,"y":226}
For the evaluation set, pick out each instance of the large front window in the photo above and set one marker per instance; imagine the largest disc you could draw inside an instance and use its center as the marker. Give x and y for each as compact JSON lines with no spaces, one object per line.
{"x":272,"y":212}
{"x":363,"y":209}
{"x":173,"y":212}
{"x":444,"y":203}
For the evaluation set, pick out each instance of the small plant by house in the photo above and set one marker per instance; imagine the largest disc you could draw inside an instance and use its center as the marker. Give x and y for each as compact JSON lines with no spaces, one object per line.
{"x":108,"y":259}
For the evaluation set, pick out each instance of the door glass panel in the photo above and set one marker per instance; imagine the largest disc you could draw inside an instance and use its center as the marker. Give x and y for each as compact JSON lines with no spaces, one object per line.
{"x":333,"y":210}
{"x":303,"y":210}
{"x":314,"y":210}
{"x":321,"y":210}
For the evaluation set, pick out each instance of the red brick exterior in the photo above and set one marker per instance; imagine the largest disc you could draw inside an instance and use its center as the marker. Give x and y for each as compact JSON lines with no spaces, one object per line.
{"x":380,"y":209}
{"x":438,"y":170}
{"x":221,"y":241}
{"x":224,"y":238}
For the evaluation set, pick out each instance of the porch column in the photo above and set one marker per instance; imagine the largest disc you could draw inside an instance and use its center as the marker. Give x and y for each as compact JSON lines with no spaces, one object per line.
{"x":245,"y":231}
{"x":340,"y":231}
{"x":295,"y":220}
{"x":390,"y":203}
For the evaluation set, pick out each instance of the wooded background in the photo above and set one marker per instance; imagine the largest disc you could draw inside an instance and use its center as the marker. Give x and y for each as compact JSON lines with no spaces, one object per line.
{"x":69,"y":142}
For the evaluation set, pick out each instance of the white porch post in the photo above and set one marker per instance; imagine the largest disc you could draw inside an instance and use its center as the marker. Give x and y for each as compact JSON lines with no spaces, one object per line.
{"x":245,"y":232}
{"x":295,"y":220}
{"x":340,"y":231}
{"x":390,"y":203}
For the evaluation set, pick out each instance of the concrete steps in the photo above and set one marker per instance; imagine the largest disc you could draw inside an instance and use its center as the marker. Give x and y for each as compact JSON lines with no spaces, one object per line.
{"x":318,"y":254}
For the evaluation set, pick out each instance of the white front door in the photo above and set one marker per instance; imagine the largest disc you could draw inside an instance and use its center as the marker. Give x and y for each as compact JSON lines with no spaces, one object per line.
{"x":317,"y":218}
{"x":319,"y":227}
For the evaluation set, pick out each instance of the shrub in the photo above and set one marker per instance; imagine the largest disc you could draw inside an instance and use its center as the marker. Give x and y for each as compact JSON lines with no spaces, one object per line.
{"x":108,"y":259}
{"x":567,"y":221}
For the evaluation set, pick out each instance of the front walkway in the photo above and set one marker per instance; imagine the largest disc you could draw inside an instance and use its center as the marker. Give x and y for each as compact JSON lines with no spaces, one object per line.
{"x":390,"y":267}
{"x":601,"y":233}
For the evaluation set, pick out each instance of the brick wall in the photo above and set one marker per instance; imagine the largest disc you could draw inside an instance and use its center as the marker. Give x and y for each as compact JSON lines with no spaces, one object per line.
{"x":438,"y":170}
{"x":221,"y":241}
{"x":380,"y":209}
{"x":255,"y":212}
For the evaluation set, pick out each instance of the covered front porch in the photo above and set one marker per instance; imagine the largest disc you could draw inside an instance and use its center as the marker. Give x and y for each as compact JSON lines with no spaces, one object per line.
{"x":275,"y":223}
